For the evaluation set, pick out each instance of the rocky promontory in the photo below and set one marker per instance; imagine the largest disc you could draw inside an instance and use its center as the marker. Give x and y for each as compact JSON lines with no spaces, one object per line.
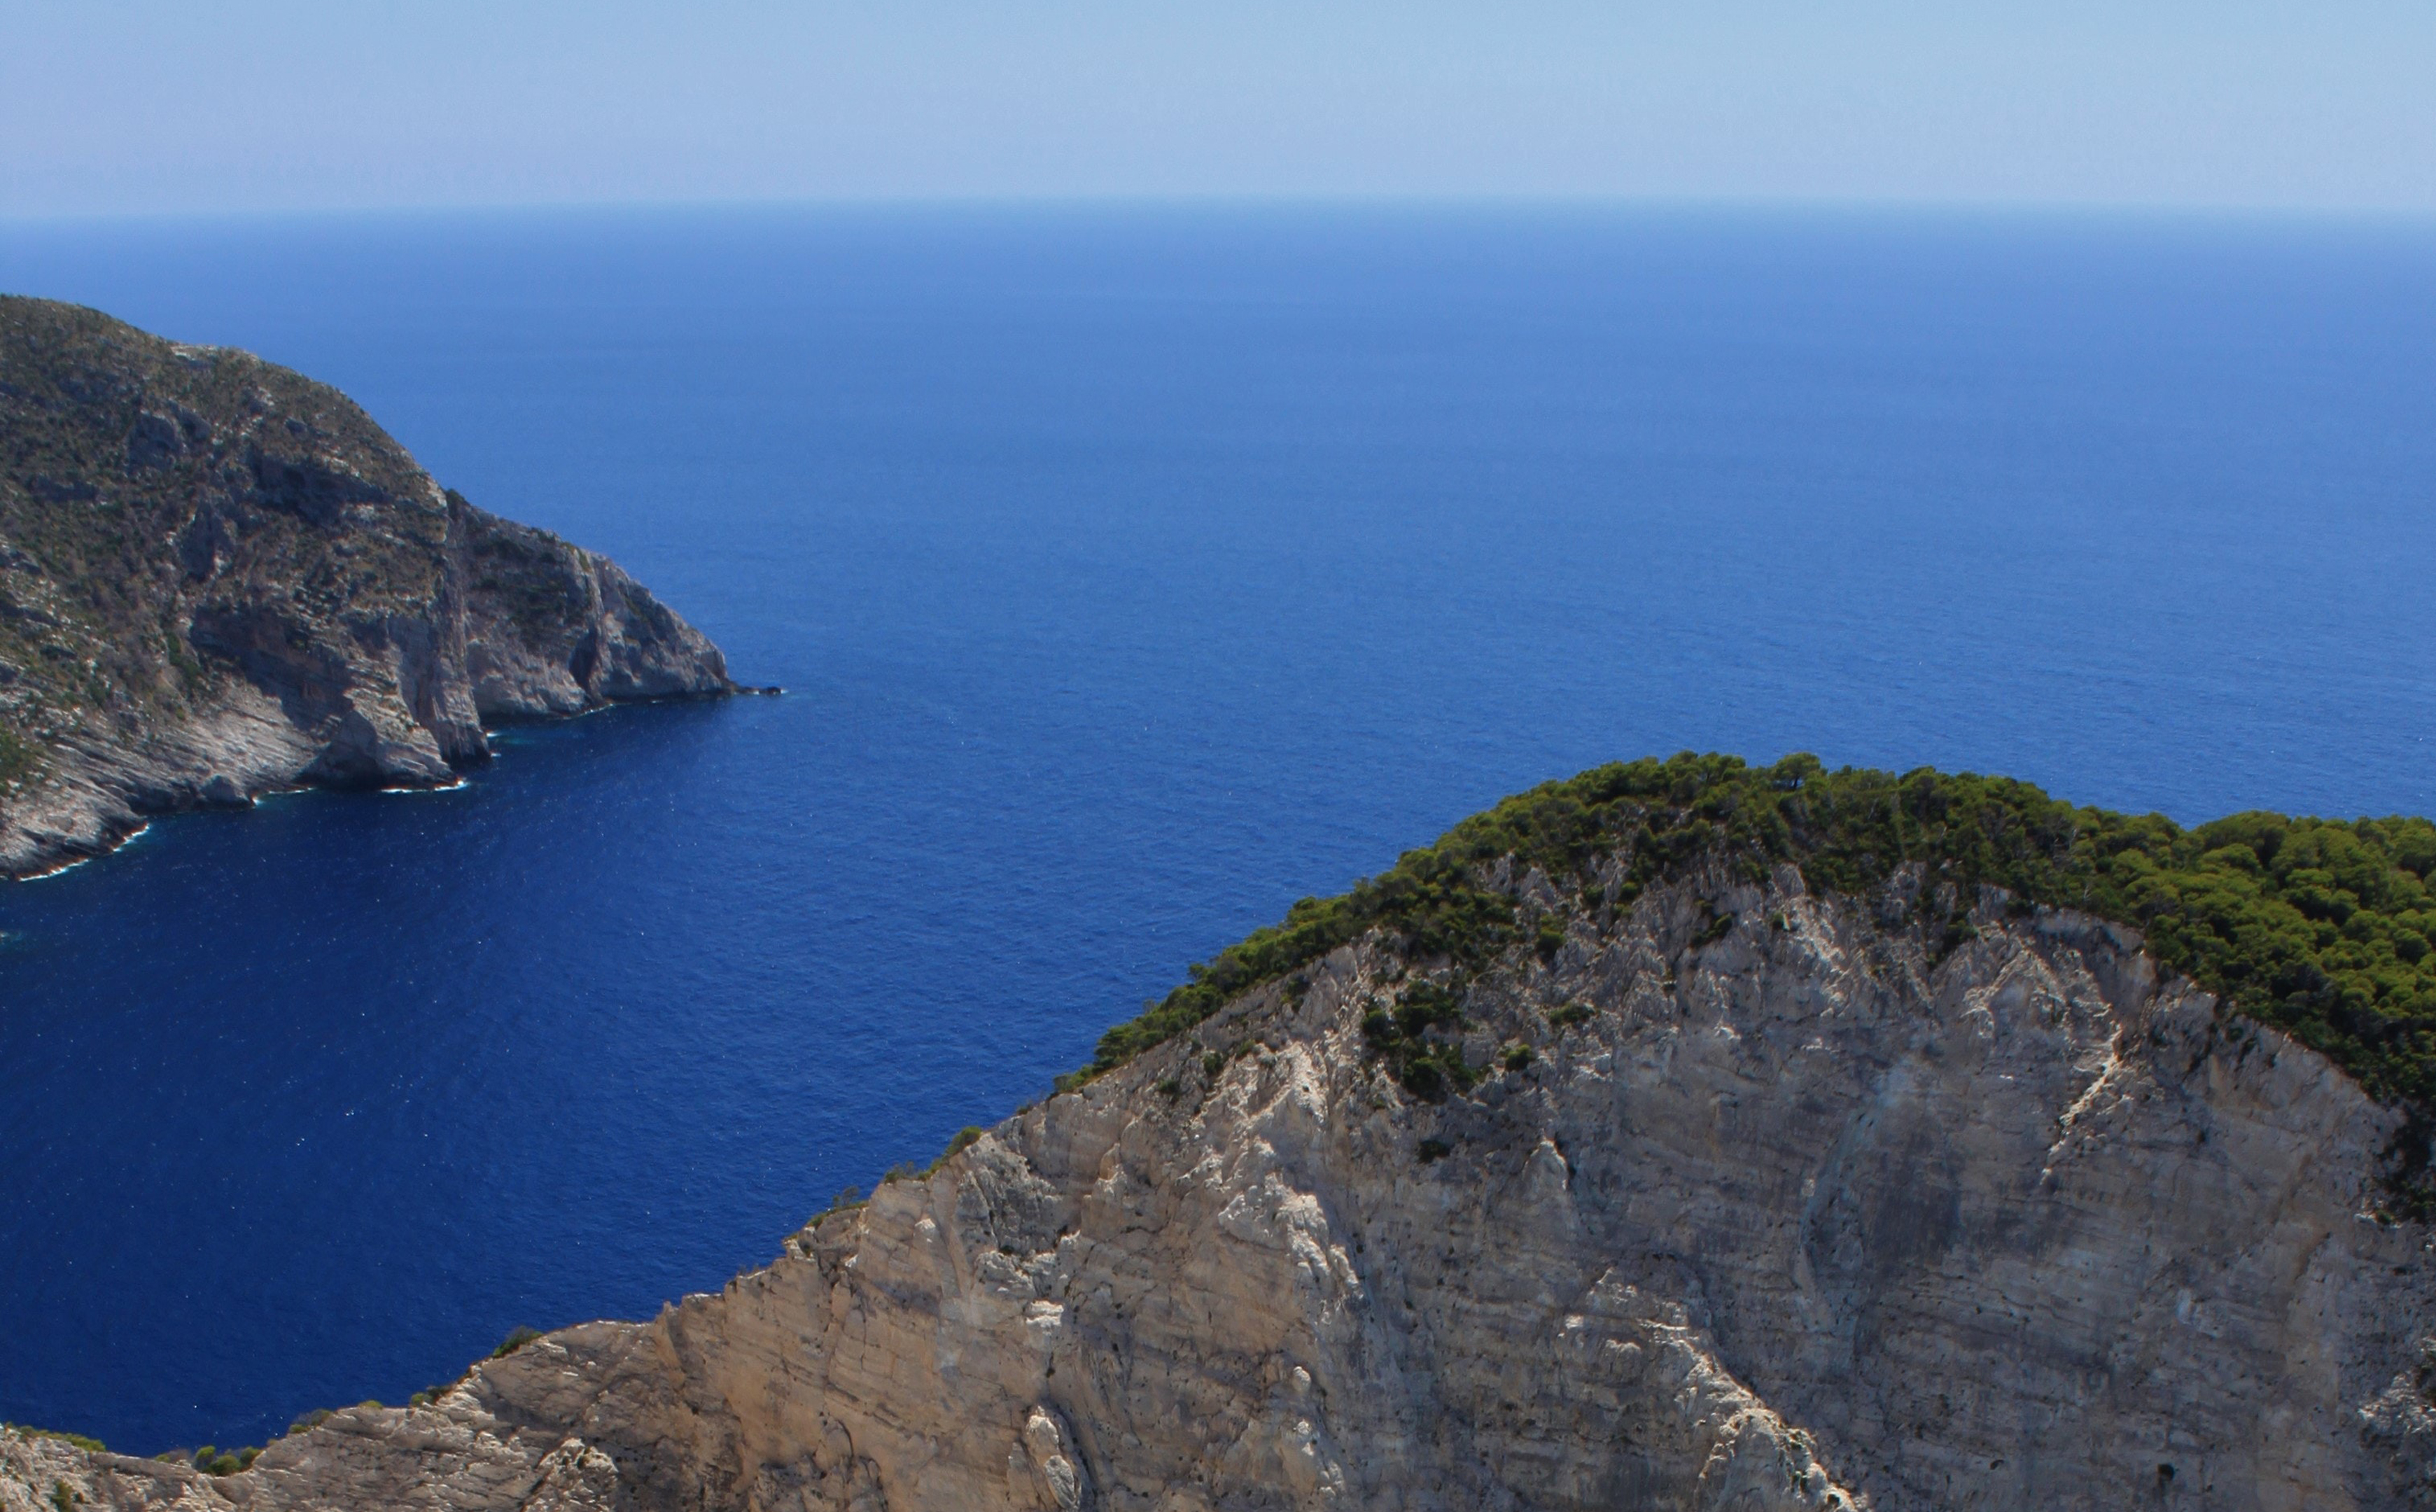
{"x":1683,"y":1136}
{"x":219,"y":577}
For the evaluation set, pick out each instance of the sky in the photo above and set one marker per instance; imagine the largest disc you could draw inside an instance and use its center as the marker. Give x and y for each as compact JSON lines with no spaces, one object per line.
{"x":140,"y":106}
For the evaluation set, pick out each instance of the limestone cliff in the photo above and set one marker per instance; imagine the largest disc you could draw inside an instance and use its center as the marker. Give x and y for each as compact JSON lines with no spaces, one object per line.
{"x":218,"y":578}
{"x":1764,"y":1199}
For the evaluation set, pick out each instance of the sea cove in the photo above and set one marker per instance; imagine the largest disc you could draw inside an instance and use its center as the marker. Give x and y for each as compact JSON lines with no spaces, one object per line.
{"x":1132,"y":574}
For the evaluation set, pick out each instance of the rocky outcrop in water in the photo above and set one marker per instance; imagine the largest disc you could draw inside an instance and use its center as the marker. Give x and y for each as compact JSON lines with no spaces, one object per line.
{"x":218,"y":578}
{"x":1762,"y":1200}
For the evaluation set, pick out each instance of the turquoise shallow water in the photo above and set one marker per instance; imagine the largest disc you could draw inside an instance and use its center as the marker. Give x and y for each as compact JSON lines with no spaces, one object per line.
{"x":1131,"y":572}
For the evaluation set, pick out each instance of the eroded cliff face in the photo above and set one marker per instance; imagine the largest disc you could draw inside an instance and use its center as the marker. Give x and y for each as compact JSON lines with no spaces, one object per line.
{"x":218,"y":578}
{"x":1782,"y":1212}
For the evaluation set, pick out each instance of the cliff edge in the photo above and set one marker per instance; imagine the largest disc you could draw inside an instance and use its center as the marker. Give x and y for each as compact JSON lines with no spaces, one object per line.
{"x":218,"y":578}
{"x":1574,"y":1174}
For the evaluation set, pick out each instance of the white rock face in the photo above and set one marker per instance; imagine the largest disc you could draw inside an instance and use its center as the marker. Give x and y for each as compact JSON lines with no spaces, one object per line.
{"x":1797,"y":1219}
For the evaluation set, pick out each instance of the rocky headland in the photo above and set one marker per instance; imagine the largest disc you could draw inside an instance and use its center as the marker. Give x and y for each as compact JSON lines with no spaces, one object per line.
{"x":1682,"y":1136}
{"x":219,"y":577}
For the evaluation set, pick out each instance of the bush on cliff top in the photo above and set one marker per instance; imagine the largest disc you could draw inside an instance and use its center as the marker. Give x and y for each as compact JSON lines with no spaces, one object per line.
{"x":2324,"y":929}
{"x":92,"y":1446}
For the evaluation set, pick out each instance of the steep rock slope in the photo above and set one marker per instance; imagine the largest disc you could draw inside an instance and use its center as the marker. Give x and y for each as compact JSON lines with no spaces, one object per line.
{"x":219,"y":577}
{"x":1764,"y":1199}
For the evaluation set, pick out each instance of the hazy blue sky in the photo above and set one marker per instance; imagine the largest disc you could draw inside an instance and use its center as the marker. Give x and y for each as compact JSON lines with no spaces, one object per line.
{"x":255,"y":104}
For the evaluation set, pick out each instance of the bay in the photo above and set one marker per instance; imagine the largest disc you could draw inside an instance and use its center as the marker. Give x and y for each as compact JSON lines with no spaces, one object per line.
{"x":1132,"y":571}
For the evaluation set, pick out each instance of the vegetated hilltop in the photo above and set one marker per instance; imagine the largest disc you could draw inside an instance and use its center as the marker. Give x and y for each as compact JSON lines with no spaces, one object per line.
{"x":2324,"y":929}
{"x":219,"y":577}
{"x":1686,"y":1135}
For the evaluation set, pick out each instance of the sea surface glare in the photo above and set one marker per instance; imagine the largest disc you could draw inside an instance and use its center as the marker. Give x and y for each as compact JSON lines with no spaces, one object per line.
{"x":1131,"y":573}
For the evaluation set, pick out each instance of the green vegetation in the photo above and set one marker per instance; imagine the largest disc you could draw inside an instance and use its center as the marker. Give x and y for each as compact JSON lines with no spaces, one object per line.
{"x":429,"y":1393}
{"x":224,"y":1462}
{"x":1718,"y":928}
{"x":2324,"y":929}
{"x":517,"y":1338}
{"x":525,"y":570}
{"x":91,"y":1445}
{"x":17,"y":758}
{"x":966,"y":1138}
{"x":1429,"y":898}
{"x":1428,"y":1066}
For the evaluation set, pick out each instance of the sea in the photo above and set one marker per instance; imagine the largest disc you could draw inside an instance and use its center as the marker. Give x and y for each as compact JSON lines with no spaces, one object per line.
{"x":1131,"y":570}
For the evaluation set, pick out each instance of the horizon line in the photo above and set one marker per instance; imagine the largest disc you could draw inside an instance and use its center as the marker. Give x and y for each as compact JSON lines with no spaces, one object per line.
{"x":1985,"y":209}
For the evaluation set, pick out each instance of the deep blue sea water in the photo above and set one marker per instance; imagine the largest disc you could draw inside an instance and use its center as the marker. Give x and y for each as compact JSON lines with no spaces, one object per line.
{"x":1133,"y":572}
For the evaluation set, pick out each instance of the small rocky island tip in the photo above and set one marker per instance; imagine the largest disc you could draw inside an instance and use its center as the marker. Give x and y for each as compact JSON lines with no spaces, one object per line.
{"x":219,"y":577}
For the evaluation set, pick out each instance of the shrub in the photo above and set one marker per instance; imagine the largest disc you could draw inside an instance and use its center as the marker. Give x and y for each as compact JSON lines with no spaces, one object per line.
{"x":1425,"y":1006}
{"x":517,"y":1338}
{"x":1424,"y":1065}
{"x":91,"y":1445}
{"x":213,"y":1461}
{"x":964,"y":1139}
{"x":312,"y":1420}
